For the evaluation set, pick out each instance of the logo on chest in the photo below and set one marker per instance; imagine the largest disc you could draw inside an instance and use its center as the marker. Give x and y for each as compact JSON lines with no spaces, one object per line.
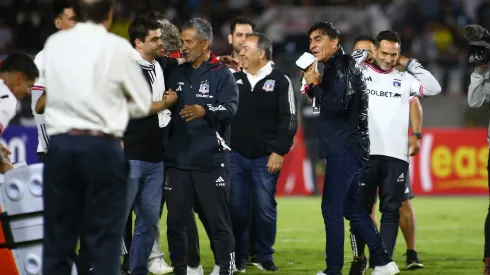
{"x":204,"y":90}
{"x":397,"y":83}
{"x":269,"y":85}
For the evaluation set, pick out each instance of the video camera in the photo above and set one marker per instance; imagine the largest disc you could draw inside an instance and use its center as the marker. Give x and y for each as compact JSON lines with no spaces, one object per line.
{"x":479,"y":44}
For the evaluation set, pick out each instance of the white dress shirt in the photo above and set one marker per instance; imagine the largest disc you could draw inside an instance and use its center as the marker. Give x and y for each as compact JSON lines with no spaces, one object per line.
{"x":261,"y":74}
{"x":89,"y":75}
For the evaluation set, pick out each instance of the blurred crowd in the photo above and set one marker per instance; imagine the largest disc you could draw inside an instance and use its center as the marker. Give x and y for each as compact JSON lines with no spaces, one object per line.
{"x":431,"y":29}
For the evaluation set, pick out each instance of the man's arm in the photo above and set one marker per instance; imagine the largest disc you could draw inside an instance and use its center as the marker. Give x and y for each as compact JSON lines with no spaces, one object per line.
{"x":288,"y":119}
{"x":360,"y":55}
{"x":479,"y":89}
{"x":428,"y":84}
{"x":416,"y":122}
{"x":416,"y":115}
{"x":225,"y":109}
{"x":40,"y":104}
{"x":133,"y":82}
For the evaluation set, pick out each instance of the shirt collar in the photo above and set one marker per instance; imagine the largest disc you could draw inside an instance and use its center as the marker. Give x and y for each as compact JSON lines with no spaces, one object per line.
{"x":267,"y":69}
{"x":143,"y":63}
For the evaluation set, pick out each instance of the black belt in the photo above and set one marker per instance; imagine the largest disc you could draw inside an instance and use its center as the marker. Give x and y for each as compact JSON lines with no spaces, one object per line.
{"x":94,"y":133}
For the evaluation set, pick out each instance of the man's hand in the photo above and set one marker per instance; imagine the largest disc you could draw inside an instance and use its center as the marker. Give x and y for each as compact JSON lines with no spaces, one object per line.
{"x":311,"y":75}
{"x":481,"y":68}
{"x":5,"y":167}
{"x":5,"y":151}
{"x":170,"y":97}
{"x":230,"y":62}
{"x":190,"y":112}
{"x":274,"y":164}
{"x":121,"y":142}
{"x":402,"y":60}
{"x":414,"y":143}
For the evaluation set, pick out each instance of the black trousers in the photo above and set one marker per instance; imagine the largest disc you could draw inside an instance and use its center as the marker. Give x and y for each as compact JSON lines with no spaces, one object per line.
{"x":487,"y":220}
{"x":85,"y":186}
{"x":210,"y":191}
{"x":389,"y":174}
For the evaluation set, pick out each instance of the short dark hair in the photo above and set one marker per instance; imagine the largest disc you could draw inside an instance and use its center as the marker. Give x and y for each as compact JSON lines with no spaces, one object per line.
{"x":263,"y":43}
{"x":140,"y":27}
{"x":241,"y":20}
{"x":153,"y":15}
{"x":19,"y":63}
{"x":325,"y":28}
{"x":96,"y":11}
{"x":388,"y":35}
{"x":59,"y":6}
{"x":363,"y":37}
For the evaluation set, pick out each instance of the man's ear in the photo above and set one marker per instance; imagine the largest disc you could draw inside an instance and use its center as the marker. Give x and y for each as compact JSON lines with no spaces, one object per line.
{"x":57,"y":23}
{"x":205,"y":44}
{"x":137,"y":43}
{"x":230,"y":39}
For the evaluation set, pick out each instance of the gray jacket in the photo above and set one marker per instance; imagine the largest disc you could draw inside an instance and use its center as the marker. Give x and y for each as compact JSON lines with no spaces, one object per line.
{"x":479,"y":90}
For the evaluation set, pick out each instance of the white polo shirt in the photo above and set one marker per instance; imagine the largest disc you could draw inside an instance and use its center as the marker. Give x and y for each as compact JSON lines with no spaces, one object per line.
{"x":8,"y":106}
{"x":89,"y":75}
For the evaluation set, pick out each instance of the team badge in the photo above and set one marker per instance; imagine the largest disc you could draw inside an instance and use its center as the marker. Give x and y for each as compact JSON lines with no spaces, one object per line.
{"x":269,"y":85}
{"x":204,"y":88}
{"x":397,"y":83}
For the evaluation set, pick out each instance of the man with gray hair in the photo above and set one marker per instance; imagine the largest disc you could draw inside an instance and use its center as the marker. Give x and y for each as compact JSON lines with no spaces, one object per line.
{"x":197,"y":157}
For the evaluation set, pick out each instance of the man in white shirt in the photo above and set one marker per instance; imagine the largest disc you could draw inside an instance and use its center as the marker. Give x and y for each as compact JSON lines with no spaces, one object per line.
{"x":17,"y":75}
{"x":65,"y":19}
{"x":91,"y":99}
{"x":364,"y":51}
{"x":389,"y":104}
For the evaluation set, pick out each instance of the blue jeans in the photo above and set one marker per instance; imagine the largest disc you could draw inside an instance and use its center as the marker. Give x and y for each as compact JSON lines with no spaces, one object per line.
{"x":339,"y":201}
{"x":253,"y":192}
{"x":145,"y":186}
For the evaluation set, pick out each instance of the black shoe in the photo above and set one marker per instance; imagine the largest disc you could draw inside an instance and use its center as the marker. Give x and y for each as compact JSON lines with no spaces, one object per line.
{"x":413,"y":261}
{"x":359,"y":267}
{"x":268,"y":266}
{"x":252,"y":260}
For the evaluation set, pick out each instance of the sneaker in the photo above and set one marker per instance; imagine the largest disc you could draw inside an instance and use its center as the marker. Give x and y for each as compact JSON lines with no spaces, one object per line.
{"x":267,"y":266}
{"x":389,"y":269}
{"x":126,"y":272}
{"x":239,"y":269}
{"x":413,"y":260}
{"x":158,"y":266}
{"x":195,"y":270}
{"x":321,"y":273}
{"x":359,"y":267}
{"x":215,"y":270}
{"x":253,"y":261}
{"x":487,"y":267}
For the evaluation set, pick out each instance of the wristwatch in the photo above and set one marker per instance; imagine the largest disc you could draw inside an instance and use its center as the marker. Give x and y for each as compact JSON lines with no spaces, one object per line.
{"x":418,"y":135}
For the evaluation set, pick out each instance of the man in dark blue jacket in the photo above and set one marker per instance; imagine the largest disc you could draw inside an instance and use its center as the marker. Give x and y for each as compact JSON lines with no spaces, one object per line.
{"x":197,"y":153}
{"x":344,"y":143}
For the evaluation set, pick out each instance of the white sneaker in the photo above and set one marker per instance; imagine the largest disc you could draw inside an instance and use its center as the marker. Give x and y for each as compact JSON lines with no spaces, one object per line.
{"x":389,"y":269}
{"x":215,"y":270}
{"x":320,"y":273}
{"x":195,"y":271}
{"x":158,"y":266}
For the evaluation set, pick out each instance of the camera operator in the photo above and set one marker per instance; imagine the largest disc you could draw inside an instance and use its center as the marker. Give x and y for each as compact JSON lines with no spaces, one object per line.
{"x":479,"y":93}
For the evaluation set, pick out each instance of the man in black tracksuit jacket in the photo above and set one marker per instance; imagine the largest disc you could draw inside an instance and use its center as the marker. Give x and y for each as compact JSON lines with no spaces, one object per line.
{"x":197,"y":152}
{"x":262,"y":133}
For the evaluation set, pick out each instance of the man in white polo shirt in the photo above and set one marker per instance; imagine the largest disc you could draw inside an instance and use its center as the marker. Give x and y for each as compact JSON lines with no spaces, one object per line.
{"x":91,"y":99}
{"x":17,"y":75}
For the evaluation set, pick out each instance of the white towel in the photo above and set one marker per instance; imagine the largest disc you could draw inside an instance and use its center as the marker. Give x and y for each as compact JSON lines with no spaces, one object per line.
{"x":157,"y":86}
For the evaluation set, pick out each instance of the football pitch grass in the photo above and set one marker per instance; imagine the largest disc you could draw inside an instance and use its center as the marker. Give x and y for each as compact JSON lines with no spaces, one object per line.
{"x":449,"y":237}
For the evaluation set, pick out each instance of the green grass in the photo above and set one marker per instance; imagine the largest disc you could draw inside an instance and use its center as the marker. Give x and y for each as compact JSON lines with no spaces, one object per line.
{"x":449,"y":237}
